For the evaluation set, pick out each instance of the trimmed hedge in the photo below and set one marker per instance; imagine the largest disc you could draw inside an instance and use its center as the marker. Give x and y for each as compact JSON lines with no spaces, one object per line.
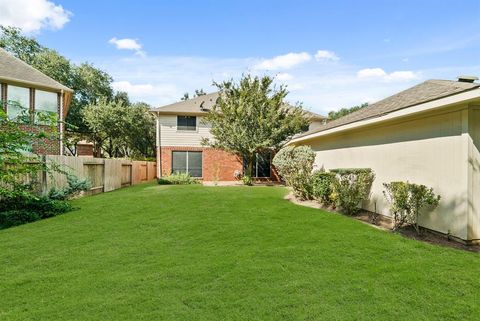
{"x":322,"y":186}
{"x":178,"y":179}
{"x":350,"y":187}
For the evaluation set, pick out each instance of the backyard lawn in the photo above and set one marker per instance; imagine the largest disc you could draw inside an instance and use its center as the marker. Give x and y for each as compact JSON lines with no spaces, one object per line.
{"x":154,"y":252}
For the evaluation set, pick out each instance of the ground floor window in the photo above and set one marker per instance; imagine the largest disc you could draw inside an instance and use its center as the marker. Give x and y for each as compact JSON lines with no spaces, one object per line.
{"x":262,"y":162}
{"x":187,"y":162}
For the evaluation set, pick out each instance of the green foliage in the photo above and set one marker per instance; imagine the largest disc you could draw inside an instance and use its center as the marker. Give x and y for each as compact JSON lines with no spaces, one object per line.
{"x":74,"y":187}
{"x":28,"y":208}
{"x":89,"y":83}
{"x":351,"y":187}
{"x":407,"y":200}
{"x":332,"y":115}
{"x":198,"y":93}
{"x":247,"y":179}
{"x":178,"y":179}
{"x":295,"y":165}
{"x":17,"y":162}
{"x":121,"y":130}
{"x":251,"y":116}
{"x":322,"y":186}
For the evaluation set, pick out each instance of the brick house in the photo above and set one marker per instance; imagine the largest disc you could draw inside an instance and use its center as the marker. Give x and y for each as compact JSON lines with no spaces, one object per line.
{"x":24,"y":88}
{"x":180,"y":131}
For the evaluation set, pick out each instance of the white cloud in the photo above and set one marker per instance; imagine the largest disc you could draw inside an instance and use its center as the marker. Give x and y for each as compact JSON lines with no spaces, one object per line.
{"x":284,"y":61}
{"x":371,"y":73}
{"x":283,"y":76}
{"x":33,"y":15}
{"x":379,"y":73}
{"x":161,"y":80}
{"x":325,"y":55}
{"x":135,"y":90}
{"x":127,"y":44}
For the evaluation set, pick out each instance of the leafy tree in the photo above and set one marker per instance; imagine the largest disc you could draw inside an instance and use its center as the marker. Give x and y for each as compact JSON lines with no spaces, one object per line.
{"x":332,"y":115}
{"x":251,"y":116}
{"x":12,"y":40}
{"x":122,"y":97}
{"x":121,"y":130}
{"x":198,"y":93}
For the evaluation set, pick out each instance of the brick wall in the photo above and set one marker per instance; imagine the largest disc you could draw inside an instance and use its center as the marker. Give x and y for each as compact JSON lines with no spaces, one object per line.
{"x":85,"y":149}
{"x":43,"y":146}
{"x":217,"y":165}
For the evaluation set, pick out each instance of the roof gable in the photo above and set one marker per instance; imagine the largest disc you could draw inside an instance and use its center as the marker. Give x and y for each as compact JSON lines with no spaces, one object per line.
{"x":421,"y":93}
{"x":15,"y":70}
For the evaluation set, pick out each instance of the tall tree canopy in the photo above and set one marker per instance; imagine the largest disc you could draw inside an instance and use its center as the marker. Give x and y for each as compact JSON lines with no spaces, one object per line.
{"x":198,"y":92}
{"x":332,"y":115}
{"x":89,"y":83}
{"x":121,"y":130}
{"x":251,"y":116}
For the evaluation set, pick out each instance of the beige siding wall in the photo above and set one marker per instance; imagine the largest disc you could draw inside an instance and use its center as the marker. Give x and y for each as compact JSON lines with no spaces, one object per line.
{"x":474,"y":173}
{"x":170,"y":136}
{"x":430,"y":150}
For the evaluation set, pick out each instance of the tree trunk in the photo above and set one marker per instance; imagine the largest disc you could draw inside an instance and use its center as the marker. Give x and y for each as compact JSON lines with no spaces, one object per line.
{"x":250,"y":166}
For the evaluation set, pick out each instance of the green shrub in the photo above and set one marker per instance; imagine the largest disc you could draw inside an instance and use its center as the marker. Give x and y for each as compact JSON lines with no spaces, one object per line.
{"x":178,"y":179}
{"x":247,"y":180}
{"x":17,"y":217}
{"x":407,"y":200}
{"x":74,"y":187}
{"x":295,"y":165}
{"x":24,"y":209}
{"x":322,"y":186}
{"x":351,"y":187}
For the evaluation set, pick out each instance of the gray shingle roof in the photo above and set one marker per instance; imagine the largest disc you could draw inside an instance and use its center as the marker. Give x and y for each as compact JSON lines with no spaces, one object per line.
{"x":15,"y":70}
{"x":205,"y":102}
{"x":421,"y":93}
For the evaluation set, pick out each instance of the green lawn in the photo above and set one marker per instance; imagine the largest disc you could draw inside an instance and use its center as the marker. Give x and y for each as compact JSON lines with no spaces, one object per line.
{"x":225,"y":253}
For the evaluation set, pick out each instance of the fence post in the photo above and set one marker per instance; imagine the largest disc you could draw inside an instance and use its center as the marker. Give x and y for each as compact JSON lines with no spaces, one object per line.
{"x":43,"y":178}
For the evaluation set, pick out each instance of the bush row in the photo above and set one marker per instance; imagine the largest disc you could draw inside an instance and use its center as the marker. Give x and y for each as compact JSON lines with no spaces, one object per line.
{"x":24,"y":208}
{"x":178,"y":179}
{"x":347,"y":188}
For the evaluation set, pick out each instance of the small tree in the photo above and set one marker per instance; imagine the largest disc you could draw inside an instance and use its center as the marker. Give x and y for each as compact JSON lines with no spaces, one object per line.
{"x":407,"y":200}
{"x":295,"y":165}
{"x":251,"y":116}
{"x":17,"y":160}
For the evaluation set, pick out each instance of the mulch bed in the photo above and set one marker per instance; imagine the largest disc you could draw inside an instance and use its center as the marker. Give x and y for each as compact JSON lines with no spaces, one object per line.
{"x":385,"y":223}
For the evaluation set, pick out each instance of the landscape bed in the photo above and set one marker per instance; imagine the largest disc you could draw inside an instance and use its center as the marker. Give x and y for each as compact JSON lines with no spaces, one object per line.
{"x":154,"y":252}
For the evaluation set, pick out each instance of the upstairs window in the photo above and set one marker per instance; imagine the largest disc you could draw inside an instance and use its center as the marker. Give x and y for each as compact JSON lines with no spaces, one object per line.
{"x":186,"y":123}
{"x":18,"y":102}
{"x":46,"y":103}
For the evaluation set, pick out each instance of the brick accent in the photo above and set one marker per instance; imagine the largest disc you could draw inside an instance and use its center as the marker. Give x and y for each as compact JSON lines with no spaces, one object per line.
{"x":85,"y":149}
{"x":43,"y":146}
{"x":217,"y":165}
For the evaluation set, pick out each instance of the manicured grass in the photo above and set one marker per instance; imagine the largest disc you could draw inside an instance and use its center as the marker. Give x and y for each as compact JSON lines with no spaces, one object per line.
{"x":225,"y":253}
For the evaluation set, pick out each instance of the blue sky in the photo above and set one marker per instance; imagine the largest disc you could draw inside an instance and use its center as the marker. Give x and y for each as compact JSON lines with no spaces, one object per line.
{"x":330,"y":54}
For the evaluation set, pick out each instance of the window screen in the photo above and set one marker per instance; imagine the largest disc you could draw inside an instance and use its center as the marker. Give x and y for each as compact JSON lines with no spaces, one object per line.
{"x":187,"y":162}
{"x":18,"y":101}
{"x":186,"y":123}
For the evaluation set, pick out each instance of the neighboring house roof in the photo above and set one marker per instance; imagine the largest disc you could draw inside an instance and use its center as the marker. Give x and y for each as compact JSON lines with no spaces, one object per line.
{"x":427,"y":91}
{"x":201,"y":105}
{"x":17,"y":71}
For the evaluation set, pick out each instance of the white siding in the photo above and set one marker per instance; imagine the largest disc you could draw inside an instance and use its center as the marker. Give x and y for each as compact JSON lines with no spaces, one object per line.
{"x":170,"y":136}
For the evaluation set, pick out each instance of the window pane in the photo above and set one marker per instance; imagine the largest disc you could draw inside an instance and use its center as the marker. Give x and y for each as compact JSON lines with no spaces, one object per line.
{"x":45,"y":103}
{"x":179,"y":162}
{"x":195,"y":164}
{"x":186,"y":123}
{"x":263,"y":165}
{"x":18,"y":101}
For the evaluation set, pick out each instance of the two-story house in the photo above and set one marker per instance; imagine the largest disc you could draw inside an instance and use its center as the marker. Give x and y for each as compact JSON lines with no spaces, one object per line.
{"x":24,"y":88}
{"x":180,"y":131}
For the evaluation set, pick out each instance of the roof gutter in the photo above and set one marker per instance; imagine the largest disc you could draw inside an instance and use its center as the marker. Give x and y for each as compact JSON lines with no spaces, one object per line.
{"x":35,"y":84}
{"x":463,"y":97}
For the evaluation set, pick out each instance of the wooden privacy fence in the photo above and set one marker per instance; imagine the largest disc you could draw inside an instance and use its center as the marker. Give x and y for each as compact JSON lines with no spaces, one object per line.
{"x":104,"y":174}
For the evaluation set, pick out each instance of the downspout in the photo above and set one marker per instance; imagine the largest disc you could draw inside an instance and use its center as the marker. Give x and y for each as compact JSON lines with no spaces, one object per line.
{"x":158,"y":147}
{"x":61,"y":121}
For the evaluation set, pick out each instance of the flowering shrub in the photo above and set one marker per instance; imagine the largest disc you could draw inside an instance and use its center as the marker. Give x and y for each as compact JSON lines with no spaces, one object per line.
{"x":407,"y":201}
{"x":295,"y":165}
